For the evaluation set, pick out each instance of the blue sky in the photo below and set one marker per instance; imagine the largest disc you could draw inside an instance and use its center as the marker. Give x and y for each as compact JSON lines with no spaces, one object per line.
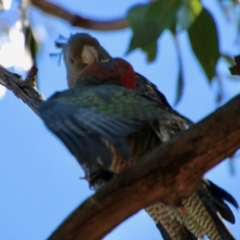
{"x":39,"y":179}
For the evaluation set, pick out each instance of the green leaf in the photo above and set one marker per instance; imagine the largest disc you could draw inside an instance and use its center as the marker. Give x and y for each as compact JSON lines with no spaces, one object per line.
{"x":204,"y":41}
{"x":188,"y":12}
{"x":151,"y":50}
{"x":180,"y":85}
{"x":145,"y":33}
{"x":31,"y":43}
{"x":163,"y":12}
{"x":149,"y":21}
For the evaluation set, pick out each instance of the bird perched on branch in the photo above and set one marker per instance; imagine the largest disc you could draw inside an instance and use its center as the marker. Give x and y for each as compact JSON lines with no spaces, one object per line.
{"x":103,"y":88}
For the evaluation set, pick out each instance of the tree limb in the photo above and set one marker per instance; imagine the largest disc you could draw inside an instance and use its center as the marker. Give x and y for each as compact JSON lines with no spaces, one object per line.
{"x":24,"y":90}
{"x":77,"y":20}
{"x":172,"y":171}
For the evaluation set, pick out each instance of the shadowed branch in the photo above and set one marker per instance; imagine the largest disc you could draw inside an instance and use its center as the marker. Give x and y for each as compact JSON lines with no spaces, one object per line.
{"x":172,"y":171}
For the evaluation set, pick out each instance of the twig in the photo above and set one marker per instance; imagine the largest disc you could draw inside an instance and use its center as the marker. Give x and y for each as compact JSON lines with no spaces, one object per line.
{"x":235,"y":70}
{"x":31,"y":78}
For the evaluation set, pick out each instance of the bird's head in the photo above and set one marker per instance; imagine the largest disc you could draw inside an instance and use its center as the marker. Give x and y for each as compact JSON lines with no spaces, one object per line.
{"x":79,"y":51}
{"x":115,"y":71}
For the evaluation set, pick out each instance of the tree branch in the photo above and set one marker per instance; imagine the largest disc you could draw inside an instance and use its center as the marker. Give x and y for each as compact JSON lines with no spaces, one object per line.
{"x":24,"y":90}
{"x":77,"y":20}
{"x":172,"y":171}
{"x":235,"y":70}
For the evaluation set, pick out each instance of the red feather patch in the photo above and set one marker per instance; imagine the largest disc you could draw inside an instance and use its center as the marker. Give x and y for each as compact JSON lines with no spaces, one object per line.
{"x":116,"y":68}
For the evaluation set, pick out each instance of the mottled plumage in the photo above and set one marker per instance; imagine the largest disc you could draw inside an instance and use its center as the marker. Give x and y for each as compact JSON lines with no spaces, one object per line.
{"x":198,"y":213}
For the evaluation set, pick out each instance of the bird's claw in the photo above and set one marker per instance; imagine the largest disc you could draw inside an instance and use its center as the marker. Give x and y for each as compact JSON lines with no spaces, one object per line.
{"x":100,"y":174}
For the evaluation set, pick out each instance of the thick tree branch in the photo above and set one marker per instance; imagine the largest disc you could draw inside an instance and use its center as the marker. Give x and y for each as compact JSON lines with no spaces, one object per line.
{"x":172,"y":172}
{"x":77,"y":20}
{"x":24,"y":90}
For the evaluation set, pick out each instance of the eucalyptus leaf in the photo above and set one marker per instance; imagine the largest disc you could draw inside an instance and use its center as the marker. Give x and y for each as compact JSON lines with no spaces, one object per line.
{"x":145,"y":32}
{"x":188,"y":12}
{"x":163,"y":12}
{"x":149,"y":21}
{"x":151,"y":51}
{"x":31,"y":43}
{"x":204,"y":41}
{"x":180,"y":85}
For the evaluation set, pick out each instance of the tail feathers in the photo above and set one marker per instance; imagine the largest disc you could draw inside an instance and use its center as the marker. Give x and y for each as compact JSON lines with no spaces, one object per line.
{"x":200,"y":217}
{"x":170,"y":228}
{"x":222,"y":231}
{"x":192,"y":215}
{"x":218,"y":197}
{"x":224,"y":210}
{"x":181,"y":232}
{"x":218,"y":192}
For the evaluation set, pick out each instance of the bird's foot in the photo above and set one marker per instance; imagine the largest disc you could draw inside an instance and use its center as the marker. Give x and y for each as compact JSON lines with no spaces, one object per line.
{"x":101,"y":174}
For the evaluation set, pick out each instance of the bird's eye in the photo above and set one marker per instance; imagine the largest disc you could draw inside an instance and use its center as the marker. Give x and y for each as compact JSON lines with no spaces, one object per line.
{"x":71,"y":60}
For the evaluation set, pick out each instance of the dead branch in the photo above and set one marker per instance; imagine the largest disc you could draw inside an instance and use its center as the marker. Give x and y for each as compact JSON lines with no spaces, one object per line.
{"x":25,"y":90}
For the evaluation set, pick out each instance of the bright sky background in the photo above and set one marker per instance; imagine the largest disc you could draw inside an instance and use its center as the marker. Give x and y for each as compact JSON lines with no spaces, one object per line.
{"x":39,"y":179}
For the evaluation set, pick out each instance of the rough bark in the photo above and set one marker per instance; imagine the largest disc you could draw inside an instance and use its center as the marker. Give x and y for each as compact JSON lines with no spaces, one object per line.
{"x":25,"y":90}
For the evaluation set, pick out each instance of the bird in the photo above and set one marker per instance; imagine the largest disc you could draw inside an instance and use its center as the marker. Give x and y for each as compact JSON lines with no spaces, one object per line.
{"x":208,"y":196}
